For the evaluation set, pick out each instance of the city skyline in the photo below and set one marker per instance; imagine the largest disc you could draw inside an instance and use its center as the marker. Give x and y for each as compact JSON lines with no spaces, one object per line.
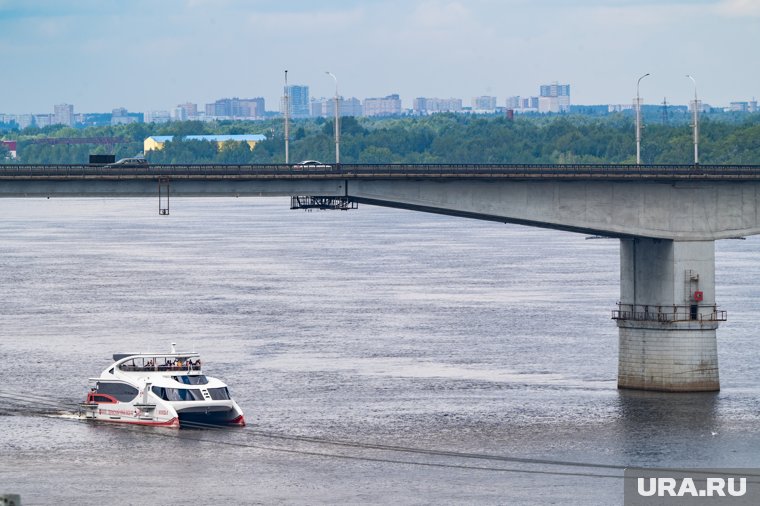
{"x":552,"y":98}
{"x":143,"y":56}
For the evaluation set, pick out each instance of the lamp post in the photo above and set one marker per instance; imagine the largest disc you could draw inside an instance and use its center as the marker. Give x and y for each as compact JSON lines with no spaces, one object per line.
{"x":337,"y":120}
{"x":287,"y":119}
{"x":696,"y":122}
{"x":638,"y":120}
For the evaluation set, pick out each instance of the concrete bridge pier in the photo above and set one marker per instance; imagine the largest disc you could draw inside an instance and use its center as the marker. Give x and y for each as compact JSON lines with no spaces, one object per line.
{"x":667,"y":317}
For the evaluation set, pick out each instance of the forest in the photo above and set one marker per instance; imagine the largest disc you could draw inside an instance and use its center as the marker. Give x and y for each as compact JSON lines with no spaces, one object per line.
{"x":440,"y":138}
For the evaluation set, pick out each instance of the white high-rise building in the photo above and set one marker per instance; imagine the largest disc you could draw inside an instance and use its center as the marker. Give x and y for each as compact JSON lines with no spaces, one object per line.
{"x":179,"y":114}
{"x":424,"y":105}
{"x":25,"y":120}
{"x":157,"y":117}
{"x":385,"y":106}
{"x":484,"y":103}
{"x":64,"y":114}
{"x":513,"y":102}
{"x":298,"y":99}
{"x":522,"y":104}
{"x":43,"y":120}
{"x":120,"y":116}
{"x":190,"y":110}
{"x":554,"y":98}
{"x":325,"y":107}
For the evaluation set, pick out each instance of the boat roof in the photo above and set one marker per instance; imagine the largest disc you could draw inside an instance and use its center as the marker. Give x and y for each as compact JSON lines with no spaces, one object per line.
{"x":122,"y":356}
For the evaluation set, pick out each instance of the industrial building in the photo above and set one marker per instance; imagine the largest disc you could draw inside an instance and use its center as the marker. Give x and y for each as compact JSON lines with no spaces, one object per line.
{"x":157,"y":142}
{"x":11,"y":147}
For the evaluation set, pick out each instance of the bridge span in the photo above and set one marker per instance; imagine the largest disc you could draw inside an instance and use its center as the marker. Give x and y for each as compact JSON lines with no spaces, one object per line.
{"x":667,"y":218}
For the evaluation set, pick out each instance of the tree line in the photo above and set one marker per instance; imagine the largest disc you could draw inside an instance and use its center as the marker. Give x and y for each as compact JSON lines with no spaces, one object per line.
{"x":440,"y":138}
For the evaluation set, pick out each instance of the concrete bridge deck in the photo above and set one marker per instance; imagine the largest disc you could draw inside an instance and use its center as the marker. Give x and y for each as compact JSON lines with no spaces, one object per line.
{"x":680,"y":202}
{"x":666,"y":216}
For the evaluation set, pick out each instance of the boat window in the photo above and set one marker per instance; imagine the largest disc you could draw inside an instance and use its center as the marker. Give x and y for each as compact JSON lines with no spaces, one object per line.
{"x":120,"y":391}
{"x":219,"y":394}
{"x":178,"y":394}
{"x":103,"y":399}
{"x":191,"y":380}
{"x":195,"y":394}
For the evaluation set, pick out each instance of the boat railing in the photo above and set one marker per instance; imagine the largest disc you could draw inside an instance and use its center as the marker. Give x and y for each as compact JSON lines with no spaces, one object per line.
{"x":159,"y":367}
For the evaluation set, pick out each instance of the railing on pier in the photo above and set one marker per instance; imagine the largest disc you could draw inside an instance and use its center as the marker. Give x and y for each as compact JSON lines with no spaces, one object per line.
{"x":670,"y":313}
{"x":323,"y":203}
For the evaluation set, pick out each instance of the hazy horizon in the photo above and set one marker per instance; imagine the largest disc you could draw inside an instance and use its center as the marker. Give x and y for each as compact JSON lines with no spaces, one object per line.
{"x":152,"y":56}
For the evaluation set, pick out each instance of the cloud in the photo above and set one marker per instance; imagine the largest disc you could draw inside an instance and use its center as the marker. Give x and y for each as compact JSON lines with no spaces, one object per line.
{"x":441,"y":15}
{"x":175,"y":50}
{"x":739,"y":8}
{"x":311,"y":24}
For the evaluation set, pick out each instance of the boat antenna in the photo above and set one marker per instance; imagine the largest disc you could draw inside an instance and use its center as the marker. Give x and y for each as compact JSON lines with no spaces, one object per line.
{"x":174,"y":349}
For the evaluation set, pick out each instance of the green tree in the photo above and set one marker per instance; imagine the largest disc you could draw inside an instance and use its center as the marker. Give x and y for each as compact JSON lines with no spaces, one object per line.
{"x":234,"y":152}
{"x":440,"y":138}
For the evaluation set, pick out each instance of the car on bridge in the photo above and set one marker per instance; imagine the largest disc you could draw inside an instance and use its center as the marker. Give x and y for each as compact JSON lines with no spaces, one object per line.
{"x":129,"y":162}
{"x":310,"y":163}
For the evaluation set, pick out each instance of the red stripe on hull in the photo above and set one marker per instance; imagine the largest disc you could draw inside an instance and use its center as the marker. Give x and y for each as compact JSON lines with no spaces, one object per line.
{"x":239,"y":421}
{"x":174,"y":422}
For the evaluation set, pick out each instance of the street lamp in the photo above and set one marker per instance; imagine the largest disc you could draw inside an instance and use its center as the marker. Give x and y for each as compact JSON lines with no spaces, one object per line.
{"x":287,"y":119}
{"x":696,"y":122}
{"x":337,"y":120}
{"x":638,"y":121}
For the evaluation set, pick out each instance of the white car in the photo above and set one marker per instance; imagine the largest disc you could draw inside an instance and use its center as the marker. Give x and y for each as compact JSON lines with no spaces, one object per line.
{"x":311,"y":163}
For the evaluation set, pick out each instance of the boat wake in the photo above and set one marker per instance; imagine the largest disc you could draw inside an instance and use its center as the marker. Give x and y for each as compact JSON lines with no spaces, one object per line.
{"x":13,"y":404}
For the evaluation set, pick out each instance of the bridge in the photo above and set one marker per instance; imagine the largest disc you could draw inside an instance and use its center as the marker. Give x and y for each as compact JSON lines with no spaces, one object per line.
{"x":667,"y":218}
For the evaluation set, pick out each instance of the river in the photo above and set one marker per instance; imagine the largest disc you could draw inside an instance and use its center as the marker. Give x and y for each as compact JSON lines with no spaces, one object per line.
{"x":380,"y":356}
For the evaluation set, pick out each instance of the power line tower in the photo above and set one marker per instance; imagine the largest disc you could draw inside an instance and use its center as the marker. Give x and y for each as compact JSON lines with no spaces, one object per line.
{"x":665,"y":111}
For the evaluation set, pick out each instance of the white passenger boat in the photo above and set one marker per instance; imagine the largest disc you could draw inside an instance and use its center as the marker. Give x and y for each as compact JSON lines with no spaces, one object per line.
{"x":161,"y":389}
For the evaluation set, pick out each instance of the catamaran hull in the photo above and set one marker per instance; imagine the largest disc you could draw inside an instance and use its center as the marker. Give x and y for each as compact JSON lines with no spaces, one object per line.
{"x":166,"y":417}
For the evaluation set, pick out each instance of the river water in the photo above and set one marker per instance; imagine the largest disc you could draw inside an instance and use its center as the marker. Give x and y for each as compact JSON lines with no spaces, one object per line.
{"x":380,"y":356}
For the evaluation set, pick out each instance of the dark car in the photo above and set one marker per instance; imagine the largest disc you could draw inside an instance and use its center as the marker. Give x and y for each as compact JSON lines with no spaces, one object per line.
{"x":129,"y":162}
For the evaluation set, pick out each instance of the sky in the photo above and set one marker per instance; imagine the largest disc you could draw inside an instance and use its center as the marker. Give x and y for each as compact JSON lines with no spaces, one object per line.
{"x":154,"y":54}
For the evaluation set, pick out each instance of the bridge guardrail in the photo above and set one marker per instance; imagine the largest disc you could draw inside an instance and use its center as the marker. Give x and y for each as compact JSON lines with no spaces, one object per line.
{"x":551,"y":171}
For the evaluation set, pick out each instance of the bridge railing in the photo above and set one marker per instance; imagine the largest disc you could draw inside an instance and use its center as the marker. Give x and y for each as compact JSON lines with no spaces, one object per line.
{"x":554,"y":170}
{"x":72,"y":170}
{"x":670,"y":313}
{"x":517,"y":171}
